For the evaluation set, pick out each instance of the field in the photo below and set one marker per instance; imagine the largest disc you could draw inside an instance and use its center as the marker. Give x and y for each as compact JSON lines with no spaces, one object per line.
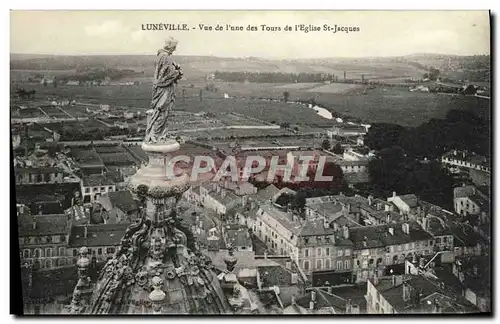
{"x":335,"y":88}
{"x":393,"y":105}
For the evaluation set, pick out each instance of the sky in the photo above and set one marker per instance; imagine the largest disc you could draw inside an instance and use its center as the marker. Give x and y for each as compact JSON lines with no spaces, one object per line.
{"x":381,"y":33}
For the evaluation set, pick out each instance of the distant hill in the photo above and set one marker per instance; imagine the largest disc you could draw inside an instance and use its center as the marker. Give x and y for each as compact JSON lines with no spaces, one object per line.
{"x":414,"y":65}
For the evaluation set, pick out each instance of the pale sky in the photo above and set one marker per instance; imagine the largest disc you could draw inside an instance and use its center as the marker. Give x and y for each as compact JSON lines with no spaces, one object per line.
{"x":381,"y":33}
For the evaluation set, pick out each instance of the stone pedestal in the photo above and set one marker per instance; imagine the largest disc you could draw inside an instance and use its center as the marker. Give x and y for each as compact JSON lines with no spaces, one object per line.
{"x":162,"y":188}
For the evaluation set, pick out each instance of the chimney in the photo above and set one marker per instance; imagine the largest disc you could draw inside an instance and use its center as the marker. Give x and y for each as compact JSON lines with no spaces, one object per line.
{"x":345,"y":229}
{"x":436,"y":307}
{"x":85,"y":231}
{"x":325,"y":223}
{"x":329,"y":289}
{"x":348,"y":306}
{"x":311,"y":305}
{"x":265,"y":255}
{"x":34,"y":222}
{"x":391,"y":230}
{"x":393,"y":194}
{"x":406,"y":292}
{"x":393,"y":280}
{"x":406,"y":228}
{"x":370,"y":200}
{"x":388,"y":218}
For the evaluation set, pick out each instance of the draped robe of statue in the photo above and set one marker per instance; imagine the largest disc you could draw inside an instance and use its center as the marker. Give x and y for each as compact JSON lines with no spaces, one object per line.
{"x":167,"y":73}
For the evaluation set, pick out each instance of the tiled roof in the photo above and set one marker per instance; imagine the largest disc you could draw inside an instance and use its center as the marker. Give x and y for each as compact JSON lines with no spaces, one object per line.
{"x":95,"y":180}
{"x":315,"y":228}
{"x":463,"y":191}
{"x":379,"y":236}
{"x":267,"y":193}
{"x":283,"y":218}
{"x":123,"y":200}
{"x":429,"y":290}
{"x":411,"y":200}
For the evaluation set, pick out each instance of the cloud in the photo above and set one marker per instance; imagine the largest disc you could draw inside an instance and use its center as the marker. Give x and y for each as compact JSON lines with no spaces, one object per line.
{"x":107,"y":29}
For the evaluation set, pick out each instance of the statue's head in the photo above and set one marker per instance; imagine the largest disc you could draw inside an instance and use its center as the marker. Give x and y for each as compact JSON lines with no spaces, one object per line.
{"x":170,"y":45}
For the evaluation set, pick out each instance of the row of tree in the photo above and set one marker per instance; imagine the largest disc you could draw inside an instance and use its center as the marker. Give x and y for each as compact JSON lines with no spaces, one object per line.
{"x":407,"y":157}
{"x":461,"y":129}
{"x":273,"y":77}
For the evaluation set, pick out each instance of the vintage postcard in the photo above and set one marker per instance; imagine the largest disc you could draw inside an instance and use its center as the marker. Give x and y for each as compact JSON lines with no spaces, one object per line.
{"x":251,"y":162}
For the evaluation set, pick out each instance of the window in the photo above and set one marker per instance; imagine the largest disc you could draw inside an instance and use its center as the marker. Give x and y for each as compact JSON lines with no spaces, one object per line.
{"x":110,"y":188}
{"x":99,"y":251}
{"x":306,"y":265}
{"x":110,"y":250}
{"x":306,"y":253}
{"x":400,"y":248}
{"x":48,"y":239}
{"x":339,"y":252}
{"x":407,"y":246}
{"x":318,"y":252}
{"x":87,"y":190}
{"x":319,"y":264}
{"x":103,"y":188}
{"x":365,"y":264}
{"x":347,"y":252}
{"x":94,"y":189}
{"x":327,"y":264}
{"x":75,"y":252}
{"x":339,"y":265}
{"x":48,"y":252}
{"x":327,"y":252}
{"x":62,"y":238}
{"x":61,"y":251}
{"x":347,"y":264}
{"x":26,"y":253}
{"x":38,"y":253}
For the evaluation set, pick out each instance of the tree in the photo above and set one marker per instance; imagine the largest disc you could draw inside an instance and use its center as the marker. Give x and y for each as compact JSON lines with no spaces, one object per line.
{"x":326,"y":144}
{"x":433,"y":73}
{"x":285,"y":125}
{"x":337,"y":149}
{"x":286,"y":96}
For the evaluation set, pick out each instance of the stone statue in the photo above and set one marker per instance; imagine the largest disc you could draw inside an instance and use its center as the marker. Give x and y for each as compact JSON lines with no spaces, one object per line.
{"x":167,"y":74}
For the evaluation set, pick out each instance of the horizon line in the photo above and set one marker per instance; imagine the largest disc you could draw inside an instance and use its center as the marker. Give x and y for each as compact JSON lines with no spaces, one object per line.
{"x":258,"y":57}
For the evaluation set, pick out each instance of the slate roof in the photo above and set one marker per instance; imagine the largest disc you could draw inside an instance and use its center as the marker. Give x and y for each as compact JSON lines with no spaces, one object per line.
{"x":97,"y":235}
{"x":379,"y":236}
{"x":45,"y":225}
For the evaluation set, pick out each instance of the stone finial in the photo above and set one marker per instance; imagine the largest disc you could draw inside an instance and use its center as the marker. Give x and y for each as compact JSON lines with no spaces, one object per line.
{"x":157,"y":296}
{"x":83,"y":263}
{"x":230,"y":260}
